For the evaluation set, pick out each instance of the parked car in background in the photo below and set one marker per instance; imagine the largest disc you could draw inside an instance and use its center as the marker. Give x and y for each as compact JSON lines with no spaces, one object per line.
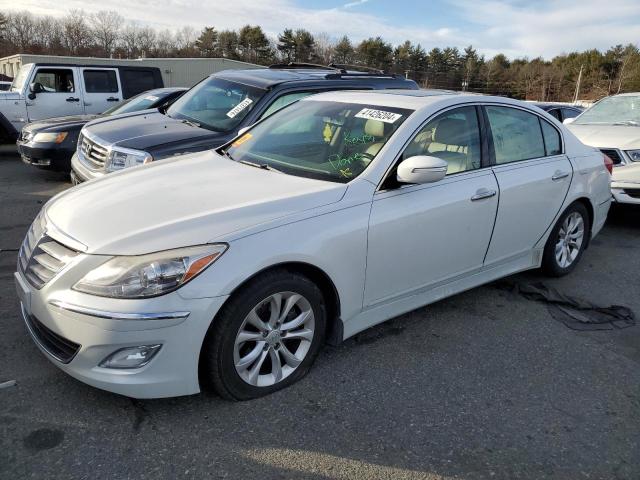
{"x":211,"y":114}
{"x":40,"y":91}
{"x":51,"y":143}
{"x":613,"y":126}
{"x":4,"y":86}
{"x":560,"y":112}
{"x":230,"y":268}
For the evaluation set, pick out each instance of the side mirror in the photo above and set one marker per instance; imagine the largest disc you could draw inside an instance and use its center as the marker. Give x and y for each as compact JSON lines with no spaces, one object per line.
{"x":34,"y":89}
{"x":244,"y":130}
{"x":568,"y":121}
{"x":422,"y":169}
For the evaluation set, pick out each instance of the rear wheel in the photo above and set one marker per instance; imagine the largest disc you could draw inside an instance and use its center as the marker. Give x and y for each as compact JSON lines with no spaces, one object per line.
{"x":265,"y":337}
{"x":567,"y":241}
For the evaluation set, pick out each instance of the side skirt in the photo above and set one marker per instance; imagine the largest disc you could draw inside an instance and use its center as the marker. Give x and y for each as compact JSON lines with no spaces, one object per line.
{"x":379,"y":313}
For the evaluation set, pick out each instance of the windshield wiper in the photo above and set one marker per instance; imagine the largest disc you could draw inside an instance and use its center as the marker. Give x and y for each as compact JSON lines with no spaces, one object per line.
{"x":631,"y":123}
{"x":190,"y":123}
{"x":263,"y":166}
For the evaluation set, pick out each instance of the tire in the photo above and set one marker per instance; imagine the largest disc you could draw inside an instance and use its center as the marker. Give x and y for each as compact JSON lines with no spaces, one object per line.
{"x":560,"y":259}
{"x":225,"y":364}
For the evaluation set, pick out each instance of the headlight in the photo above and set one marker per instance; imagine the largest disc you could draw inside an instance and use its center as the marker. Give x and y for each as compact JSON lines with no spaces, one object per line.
{"x":120,"y":158}
{"x":53,"y":137}
{"x":634,"y":155}
{"x":149,"y":275}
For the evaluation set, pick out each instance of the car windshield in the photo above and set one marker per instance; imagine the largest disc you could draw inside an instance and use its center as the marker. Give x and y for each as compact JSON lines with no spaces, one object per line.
{"x":134,"y":104}
{"x":216,"y":104}
{"x":325,"y":140}
{"x":18,"y":82}
{"x":618,"y":110}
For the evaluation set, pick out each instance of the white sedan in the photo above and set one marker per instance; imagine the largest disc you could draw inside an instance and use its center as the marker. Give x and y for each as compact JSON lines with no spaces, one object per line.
{"x":613,"y":126}
{"x":231,"y":268}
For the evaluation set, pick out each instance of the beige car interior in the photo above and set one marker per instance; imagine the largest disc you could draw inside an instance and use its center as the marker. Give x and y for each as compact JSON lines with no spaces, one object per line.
{"x":450,"y":139}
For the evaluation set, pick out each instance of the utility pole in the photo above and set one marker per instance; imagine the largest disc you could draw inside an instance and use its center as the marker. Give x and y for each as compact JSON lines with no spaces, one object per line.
{"x":575,"y":96}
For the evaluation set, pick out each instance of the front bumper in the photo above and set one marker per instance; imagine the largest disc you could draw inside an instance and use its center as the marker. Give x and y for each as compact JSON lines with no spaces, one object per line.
{"x":80,"y":172}
{"x":55,"y":157}
{"x":626,"y":193}
{"x":98,"y":332}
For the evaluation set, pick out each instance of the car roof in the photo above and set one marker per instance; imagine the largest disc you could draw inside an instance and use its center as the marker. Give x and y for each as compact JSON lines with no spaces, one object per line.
{"x":412,"y":99}
{"x":268,"y":77}
{"x":549,"y":106}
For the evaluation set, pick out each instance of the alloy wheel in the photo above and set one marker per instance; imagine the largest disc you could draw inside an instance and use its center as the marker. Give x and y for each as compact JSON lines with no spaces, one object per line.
{"x":274,"y":339}
{"x":570,"y":238}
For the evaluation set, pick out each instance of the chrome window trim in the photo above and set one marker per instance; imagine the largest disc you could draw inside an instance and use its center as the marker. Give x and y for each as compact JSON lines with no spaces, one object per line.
{"x":118,"y":315}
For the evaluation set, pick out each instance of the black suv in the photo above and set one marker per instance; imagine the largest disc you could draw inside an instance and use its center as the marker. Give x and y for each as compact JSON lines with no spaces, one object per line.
{"x":212,"y":113}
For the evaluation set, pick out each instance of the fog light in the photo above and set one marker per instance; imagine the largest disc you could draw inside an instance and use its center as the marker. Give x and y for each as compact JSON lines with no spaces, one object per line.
{"x":131,"y":357}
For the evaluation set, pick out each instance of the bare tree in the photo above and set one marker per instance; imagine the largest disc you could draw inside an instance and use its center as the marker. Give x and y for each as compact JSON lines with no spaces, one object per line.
{"x":146,"y":41}
{"x":106,"y":26}
{"x":21,"y":27}
{"x":185,"y":41}
{"x":166,"y":43}
{"x":77,"y":34}
{"x":324,"y":47}
{"x":129,"y":39}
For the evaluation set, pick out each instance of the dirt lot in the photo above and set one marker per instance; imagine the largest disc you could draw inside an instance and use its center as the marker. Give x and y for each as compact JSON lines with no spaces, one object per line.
{"x":486,"y":384}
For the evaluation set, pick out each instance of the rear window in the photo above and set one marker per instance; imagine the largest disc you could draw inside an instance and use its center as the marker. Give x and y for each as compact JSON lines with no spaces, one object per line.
{"x":137,"y":81}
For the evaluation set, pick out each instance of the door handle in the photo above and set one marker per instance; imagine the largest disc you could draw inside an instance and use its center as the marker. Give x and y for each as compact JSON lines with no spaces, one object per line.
{"x":73,"y":99}
{"x":113,"y":99}
{"x":559,"y":175}
{"x":483,"y":193}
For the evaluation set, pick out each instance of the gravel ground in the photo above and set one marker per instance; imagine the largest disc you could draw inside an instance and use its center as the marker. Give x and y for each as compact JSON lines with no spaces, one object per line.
{"x":482,"y":385}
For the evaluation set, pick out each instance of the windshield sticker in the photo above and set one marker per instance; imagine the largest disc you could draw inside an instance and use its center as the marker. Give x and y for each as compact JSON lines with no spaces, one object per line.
{"x":381,"y":115}
{"x":242,"y":139}
{"x":343,"y":163}
{"x":358,"y":140}
{"x":239,"y":107}
{"x":151,"y":98}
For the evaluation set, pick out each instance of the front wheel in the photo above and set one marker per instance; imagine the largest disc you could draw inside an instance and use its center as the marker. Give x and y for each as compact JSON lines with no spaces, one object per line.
{"x":567,"y":241}
{"x":265,"y":338}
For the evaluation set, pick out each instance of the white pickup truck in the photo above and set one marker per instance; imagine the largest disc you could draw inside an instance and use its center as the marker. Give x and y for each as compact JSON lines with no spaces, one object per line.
{"x":41,"y":91}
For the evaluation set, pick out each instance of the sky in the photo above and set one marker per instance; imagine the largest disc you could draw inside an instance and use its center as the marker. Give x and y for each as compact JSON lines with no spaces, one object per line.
{"x":516,"y":28}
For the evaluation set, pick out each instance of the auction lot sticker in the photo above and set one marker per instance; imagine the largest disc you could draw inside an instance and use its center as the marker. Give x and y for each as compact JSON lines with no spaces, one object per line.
{"x":381,"y":115}
{"x":239,"y":107}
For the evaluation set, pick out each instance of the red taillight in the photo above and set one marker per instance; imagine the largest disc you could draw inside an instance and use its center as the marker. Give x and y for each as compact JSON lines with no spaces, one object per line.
{"x":608,"y":163}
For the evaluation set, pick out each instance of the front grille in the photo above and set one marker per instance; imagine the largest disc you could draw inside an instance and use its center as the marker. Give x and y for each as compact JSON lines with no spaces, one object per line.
{"x":60,"y":348}
{"x":41,"y":257}
{"x":613,"y":154}
{"x":93,"y":153}
{"x":632,"y":192}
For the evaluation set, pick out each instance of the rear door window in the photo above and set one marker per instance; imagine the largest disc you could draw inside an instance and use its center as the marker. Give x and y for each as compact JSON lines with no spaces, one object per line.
{"x":517,"y":135}
{"x":100,"y":81}
{"x":552,"y":141}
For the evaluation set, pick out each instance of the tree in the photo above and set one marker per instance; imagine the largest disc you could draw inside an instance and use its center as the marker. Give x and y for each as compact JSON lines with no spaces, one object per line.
{"x":305,"y":46}
{"x":254,"y":44}
{"x":22,"y":28}
{"x":106,"y":26}
{"x":375,"y":52}
{"x":129,"y":39}
{"x":343,"y":52}
{"x":228,"y":43}
{"x":207,"y":42}
{"x":77,"y":34}
{"x":146,"y":41}
{"x":186,"y":41}
{"x":287,"y":45}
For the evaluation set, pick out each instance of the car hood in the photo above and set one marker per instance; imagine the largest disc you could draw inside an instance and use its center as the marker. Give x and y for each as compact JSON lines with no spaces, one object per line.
{"x":142,"y":131}
{"x":607,"y":136}
{"x":196,"y":199}
{"x":4,"y":95}
{"x":58,"y":123}
{"x":626,"y":176}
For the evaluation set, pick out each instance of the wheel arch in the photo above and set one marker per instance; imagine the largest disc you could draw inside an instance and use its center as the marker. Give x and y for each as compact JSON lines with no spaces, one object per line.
{"x":323,"y":281}
{"x":590,"y":211}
